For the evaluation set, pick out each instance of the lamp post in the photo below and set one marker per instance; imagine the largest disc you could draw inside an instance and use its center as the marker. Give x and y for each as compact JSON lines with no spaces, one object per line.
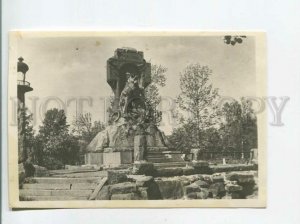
{"x":23,"y":87}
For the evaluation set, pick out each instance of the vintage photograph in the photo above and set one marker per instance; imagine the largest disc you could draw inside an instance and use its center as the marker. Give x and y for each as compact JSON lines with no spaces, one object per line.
{"x":137,"y":119}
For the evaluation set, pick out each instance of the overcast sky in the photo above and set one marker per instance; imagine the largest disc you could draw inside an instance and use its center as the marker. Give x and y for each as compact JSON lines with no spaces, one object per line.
{"x":76,"y":67}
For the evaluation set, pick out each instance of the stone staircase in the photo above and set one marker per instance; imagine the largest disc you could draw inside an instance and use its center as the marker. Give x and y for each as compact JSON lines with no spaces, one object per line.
{"x":164,"y":157}
{"x":170,"y":164}
{"x":61,"y":186}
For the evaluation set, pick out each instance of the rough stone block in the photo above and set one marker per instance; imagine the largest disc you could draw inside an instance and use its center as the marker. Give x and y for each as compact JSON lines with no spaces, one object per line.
{"x":200,"y":167}
{"x":207,"y":178}
{"x":198,"y":164}
{"x":144,"y":181}
{"x":254,"y":195}
{"x":115,"y":176}
{"x":202,"y":183}
{"x":141,"y":180}
{"x":144,"y":168}
{"x":192,"y":195}
{"x":233,"y":195}
{"x":170,"y":189}
{"x":204,"y":194}
{"x":188,"y":171}
{"x":143,"y":194}
{"x":189,"y":179}
{"x":217,"y":190}
{"x":236,"y":195}
{"x":192,"y":188}
{"x":232,"y":167}
{"x":240,"y":177}
{"x":217,"y":178}
{"x":123,"y":188}
{"x":129,"y":196}
{"x":185,"y":182}
{"x":233,"y":187}
{"x":169,"y":172}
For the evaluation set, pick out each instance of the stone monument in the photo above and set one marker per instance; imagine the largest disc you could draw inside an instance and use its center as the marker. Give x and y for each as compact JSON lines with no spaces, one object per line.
{"x":132,"y":134}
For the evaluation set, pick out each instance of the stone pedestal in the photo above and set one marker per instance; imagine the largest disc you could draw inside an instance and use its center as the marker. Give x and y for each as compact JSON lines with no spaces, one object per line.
{"x":117,"y":158}
{"x":109,"y":157}
{"x":131,"y":125}
{"x":93,"y":158}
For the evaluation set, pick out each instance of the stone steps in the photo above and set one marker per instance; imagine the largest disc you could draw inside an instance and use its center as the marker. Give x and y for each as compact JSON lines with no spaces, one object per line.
{"x":76,"y":186}
{"x":162,"y":160}
{"x":164,"y":157}
{"x":64,"y":180}
{"x":42,"y":192}
{"x":81,"y":175}
{"x":59,"y":188}
{"x":69,"y":171}
{"x":169,"y":164}
{"x":53,"y":198}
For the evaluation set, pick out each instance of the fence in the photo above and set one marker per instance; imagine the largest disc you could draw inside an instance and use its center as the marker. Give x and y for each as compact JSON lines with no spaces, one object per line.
{"x":231,"y":157}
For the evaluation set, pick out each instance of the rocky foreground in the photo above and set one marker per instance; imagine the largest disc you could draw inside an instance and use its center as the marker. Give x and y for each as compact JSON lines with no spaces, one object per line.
{"x":144,"y":182}
{"x":233,"y":185}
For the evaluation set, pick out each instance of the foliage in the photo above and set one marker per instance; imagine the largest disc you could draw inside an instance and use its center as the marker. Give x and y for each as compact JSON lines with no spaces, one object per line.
{"x":233,"y":39}
{"x":153,"y":99}
{"x":203,"y":125}
{"x":184,"y":137}
{"x":231,"y":129}
{"x":85,"y":129}
{"x":198,"y":99}
{"x":212,"y":139}
{"x":249,"y":124}
{"x":239,"y":129}
{"x":55,"y":147}
{"x":54,"y":123}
